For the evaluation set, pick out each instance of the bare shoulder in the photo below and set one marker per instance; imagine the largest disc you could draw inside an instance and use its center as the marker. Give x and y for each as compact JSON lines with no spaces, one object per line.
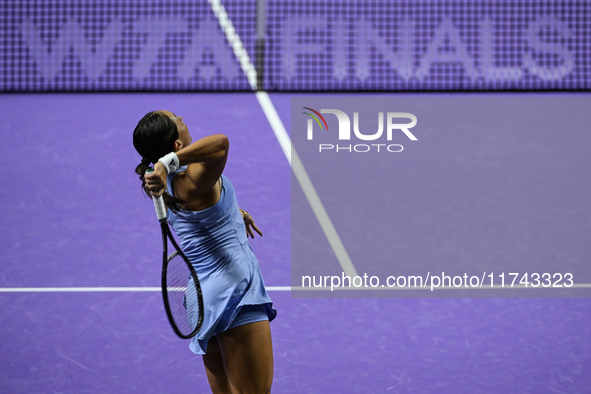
{"x":195,"y":197}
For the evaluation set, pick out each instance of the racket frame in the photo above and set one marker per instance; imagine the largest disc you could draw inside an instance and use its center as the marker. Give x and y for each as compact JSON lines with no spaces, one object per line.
{"x":166,"y":236}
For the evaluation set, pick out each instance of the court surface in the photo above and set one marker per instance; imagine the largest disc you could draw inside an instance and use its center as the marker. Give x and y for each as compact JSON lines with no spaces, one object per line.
{"x":73,"y":216}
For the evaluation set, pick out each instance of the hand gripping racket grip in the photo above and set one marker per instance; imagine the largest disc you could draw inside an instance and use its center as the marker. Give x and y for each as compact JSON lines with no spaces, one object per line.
{"x":158,"y":203}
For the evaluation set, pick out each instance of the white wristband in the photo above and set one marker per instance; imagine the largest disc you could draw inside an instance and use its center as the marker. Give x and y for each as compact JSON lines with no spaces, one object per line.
{"x":170,"y":162}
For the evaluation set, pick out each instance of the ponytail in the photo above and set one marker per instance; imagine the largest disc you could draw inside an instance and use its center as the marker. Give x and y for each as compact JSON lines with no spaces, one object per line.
{"x":153,"y":138}
{"x":171,"y":202}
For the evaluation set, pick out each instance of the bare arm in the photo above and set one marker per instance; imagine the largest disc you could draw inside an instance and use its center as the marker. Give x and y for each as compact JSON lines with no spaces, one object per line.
{"x":206,"y":159}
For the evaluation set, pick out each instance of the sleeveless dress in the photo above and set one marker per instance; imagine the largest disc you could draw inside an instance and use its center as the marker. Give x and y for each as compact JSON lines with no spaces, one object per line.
{"x":215,"y":242}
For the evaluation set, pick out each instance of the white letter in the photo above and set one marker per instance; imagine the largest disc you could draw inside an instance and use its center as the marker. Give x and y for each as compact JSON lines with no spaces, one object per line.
{"x":92,"y":62}
{"x":544,"y":70}
{"x":340,"y":42}
{"x":404,"y":127}
{"x":455,"y":52}
{"x":360,"y":281}
{"x":344,"y":123}
{"x":209,"y":35}
{"x":332,"y":285}
{"x":325,"y":146}
{"x":370,"y":137}
{"x":378,"y":145}
{"x":438,"y":282}
{"x":157,"y":30}
{"x":367,"y":38}
{"x":346,"y":277}
{"x":489,"y":70}
{"x":290,"y":38}
{"x":395,"y":151}
{"x":95,"y":62}
{"x":49,"y":58}
{"x":371,"y":281}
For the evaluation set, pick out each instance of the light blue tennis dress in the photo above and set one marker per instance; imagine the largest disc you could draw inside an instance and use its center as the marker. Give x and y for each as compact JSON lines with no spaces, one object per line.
{"x":215,"y":241}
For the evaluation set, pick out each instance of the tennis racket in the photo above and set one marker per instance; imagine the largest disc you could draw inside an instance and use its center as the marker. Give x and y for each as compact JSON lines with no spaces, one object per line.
{"x":181,"y":290}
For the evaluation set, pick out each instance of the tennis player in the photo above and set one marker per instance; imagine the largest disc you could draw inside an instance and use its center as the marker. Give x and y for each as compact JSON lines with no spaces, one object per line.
{"x":235,"y":339}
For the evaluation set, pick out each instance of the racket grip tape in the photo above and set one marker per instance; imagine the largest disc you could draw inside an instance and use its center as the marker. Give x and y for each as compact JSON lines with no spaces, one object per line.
{"x":158,"y":203}
{"x":160,"y":207}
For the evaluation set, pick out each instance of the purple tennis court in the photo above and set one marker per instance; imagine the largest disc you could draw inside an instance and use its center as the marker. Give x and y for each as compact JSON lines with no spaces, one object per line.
{"x":80,"y":247}
{"x":74,"y":216}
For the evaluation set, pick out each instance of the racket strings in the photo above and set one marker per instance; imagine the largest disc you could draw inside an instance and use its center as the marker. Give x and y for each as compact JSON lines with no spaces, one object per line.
{"x":183,"y":299}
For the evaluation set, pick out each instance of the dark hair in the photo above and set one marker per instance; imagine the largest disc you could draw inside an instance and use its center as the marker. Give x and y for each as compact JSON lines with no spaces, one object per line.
{"x":154,"y":137}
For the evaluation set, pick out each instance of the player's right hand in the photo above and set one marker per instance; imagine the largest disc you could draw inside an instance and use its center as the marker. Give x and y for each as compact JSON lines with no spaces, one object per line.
{"x":156,"y":180}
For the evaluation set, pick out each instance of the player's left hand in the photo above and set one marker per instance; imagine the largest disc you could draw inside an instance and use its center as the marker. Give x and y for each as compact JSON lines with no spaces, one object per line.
{"x":249,"y":224}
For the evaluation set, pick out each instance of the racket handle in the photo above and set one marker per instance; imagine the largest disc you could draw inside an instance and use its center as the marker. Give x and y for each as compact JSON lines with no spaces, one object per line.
{"x":158,"y":203}
{"x":160,"y":207}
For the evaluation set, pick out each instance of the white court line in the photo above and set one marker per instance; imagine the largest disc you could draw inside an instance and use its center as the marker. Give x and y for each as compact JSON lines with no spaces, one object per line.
{"x":100,"y":289}
{"x":427,"y":288}
{"x":284,"y":141}
{"x":306,"y":184}
{"x":272,"y":288}
{"x":235,"y":42}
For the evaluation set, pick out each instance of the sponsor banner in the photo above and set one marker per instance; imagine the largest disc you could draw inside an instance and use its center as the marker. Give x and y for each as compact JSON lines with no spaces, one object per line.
{"x":337,"y":45}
